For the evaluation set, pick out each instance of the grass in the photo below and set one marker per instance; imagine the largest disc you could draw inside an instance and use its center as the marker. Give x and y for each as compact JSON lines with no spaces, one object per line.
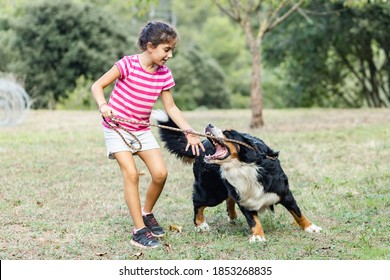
{"x":60,"y":198}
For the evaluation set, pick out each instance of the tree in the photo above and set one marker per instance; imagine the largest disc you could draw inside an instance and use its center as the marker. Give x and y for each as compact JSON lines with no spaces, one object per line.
{"x":257,"y":18}
{"x":200,"y":78}
{"x":364,"y":51}
{"x":59,"y":41}
{"x":199,"y":81}
{"x":224,"y":41}
{"x":338,"y":56}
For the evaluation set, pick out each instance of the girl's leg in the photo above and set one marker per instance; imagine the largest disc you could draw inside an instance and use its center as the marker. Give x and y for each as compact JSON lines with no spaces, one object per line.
{"x":131,"y":188}
{"x":156,"y":166}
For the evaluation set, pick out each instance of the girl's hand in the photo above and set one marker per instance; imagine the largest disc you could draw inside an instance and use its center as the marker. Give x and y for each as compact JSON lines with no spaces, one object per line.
{"x":195,"y":143}
{"x":106,"y":111}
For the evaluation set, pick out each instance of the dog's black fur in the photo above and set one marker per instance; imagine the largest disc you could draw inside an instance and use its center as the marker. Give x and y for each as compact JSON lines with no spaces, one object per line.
{"x":251,"y":177}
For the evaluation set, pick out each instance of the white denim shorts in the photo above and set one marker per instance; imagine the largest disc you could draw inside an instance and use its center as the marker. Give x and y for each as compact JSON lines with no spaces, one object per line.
{"x":115,"y":143}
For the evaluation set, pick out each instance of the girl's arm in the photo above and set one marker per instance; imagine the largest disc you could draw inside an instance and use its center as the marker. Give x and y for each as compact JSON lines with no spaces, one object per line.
{"x":97,"y":90}
{"x":176,"y":115}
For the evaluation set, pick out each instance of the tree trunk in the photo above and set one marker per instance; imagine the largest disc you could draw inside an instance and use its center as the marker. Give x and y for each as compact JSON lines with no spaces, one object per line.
{"x":254,"y":44}
{"x":257,"y":120}
{"x":246,"y":14}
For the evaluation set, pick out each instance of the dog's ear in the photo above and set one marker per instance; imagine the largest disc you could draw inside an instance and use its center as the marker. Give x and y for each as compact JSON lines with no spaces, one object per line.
{"x":246,"y":153}
{"x":249,"y":154}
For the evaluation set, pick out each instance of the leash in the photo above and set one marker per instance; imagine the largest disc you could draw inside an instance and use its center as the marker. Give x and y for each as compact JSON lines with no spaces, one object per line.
{"x":115,"y":120}
{"x":118,"y":125}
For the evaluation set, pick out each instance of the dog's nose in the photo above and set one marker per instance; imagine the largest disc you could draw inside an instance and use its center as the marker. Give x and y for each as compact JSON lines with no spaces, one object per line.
{"x":210,"y":125}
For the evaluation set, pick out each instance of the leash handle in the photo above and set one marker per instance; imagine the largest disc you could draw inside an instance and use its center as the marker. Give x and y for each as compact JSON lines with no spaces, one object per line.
{"x":130,"y":145}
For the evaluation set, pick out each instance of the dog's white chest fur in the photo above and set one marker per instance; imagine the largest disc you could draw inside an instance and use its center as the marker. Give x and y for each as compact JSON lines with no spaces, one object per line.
{"x":244,"y":178}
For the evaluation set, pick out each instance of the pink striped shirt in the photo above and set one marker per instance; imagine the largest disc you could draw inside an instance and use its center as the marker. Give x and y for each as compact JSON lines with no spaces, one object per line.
{"x":136,"y":91}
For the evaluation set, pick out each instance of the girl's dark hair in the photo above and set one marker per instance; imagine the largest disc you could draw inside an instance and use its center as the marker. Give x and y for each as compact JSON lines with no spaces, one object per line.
{"x":156,"y":32}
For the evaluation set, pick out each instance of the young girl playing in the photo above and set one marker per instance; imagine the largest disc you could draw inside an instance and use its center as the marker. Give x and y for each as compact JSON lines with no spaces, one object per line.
{"x":140,"y":80}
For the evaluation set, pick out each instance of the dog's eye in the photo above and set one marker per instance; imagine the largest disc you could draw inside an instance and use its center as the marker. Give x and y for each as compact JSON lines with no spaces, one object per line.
{"x":230,"y":134}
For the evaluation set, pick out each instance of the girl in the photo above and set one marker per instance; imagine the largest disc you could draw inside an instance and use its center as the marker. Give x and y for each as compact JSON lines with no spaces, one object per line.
{"x":140,"y":80}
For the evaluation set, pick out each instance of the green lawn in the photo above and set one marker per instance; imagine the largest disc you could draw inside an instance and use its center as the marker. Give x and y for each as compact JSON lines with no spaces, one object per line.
{"x":60,"y":198}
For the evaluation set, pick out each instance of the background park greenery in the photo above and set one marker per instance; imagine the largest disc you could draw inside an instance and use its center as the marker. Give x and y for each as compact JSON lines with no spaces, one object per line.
{"x":327,"y":53}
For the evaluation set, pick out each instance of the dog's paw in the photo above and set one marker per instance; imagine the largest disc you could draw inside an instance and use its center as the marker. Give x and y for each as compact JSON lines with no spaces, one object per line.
{"x":202,"y":227}
{"x":256,"y":238}
{"x":313,"y":228}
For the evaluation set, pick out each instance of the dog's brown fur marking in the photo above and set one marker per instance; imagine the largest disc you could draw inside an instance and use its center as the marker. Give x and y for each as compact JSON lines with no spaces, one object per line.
{"x":233,"y":150}
{"x":302,"y":221}
{"x":231,"y":208}
{"x":258,"y":228}
{"x":199,"y":218}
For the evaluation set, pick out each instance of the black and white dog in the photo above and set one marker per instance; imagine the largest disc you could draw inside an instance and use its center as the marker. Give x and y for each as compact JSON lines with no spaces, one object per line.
{"x":250,"y":177}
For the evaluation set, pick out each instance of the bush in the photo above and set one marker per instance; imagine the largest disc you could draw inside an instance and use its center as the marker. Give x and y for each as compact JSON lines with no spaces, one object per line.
{"x":79,"y":98}
{"x":199,"y":81}
{"x":59,"y":41}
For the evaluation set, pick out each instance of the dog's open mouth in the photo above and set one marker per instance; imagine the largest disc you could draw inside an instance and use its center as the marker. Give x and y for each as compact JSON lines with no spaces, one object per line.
{"x":221,"y":151}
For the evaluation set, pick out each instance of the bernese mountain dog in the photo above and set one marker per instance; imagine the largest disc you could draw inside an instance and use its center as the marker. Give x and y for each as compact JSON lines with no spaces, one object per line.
{"x":247,"y":175}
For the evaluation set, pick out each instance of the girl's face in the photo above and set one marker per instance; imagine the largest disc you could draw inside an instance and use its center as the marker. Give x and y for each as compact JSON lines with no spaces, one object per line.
{"x":162,"y":52}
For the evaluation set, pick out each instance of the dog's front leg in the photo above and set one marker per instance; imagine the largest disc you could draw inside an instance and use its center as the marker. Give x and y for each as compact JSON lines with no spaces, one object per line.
{"x":257,"y":230}
{"x":255,"y":225}
{"x":199,"y":220}
{"x":231,"y":209}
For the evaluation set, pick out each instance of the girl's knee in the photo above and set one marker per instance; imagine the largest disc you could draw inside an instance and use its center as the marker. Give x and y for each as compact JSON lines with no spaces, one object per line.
{"x":130,"y":176}
{"x":160,"y":177}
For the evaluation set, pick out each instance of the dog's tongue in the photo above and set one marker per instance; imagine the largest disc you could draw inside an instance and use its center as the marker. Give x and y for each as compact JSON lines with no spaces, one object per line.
{"x":219,"y":152}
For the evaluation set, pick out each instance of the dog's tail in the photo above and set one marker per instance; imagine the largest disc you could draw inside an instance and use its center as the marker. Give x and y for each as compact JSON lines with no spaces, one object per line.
{"x":174,"y":141}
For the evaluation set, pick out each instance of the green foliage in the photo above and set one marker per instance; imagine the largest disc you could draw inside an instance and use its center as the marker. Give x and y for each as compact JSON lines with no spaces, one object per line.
{"x":7,"y":41}
{"x":79,"y":98}
{"x":222,"y":40}
{"x":191,"y":16}
{"x":58,"y":41}
{"x":199,"y":81}
{"x":225,"y":42}
{"x":219,"y":43}
{"x":273,"y":90}
{"x":127,"y":10}
{"x":360,"y":3}
{"x":337,"y":58}
{"x":52,"y":44}
{"x":240,"y":101}
{"x":8,"y":6}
